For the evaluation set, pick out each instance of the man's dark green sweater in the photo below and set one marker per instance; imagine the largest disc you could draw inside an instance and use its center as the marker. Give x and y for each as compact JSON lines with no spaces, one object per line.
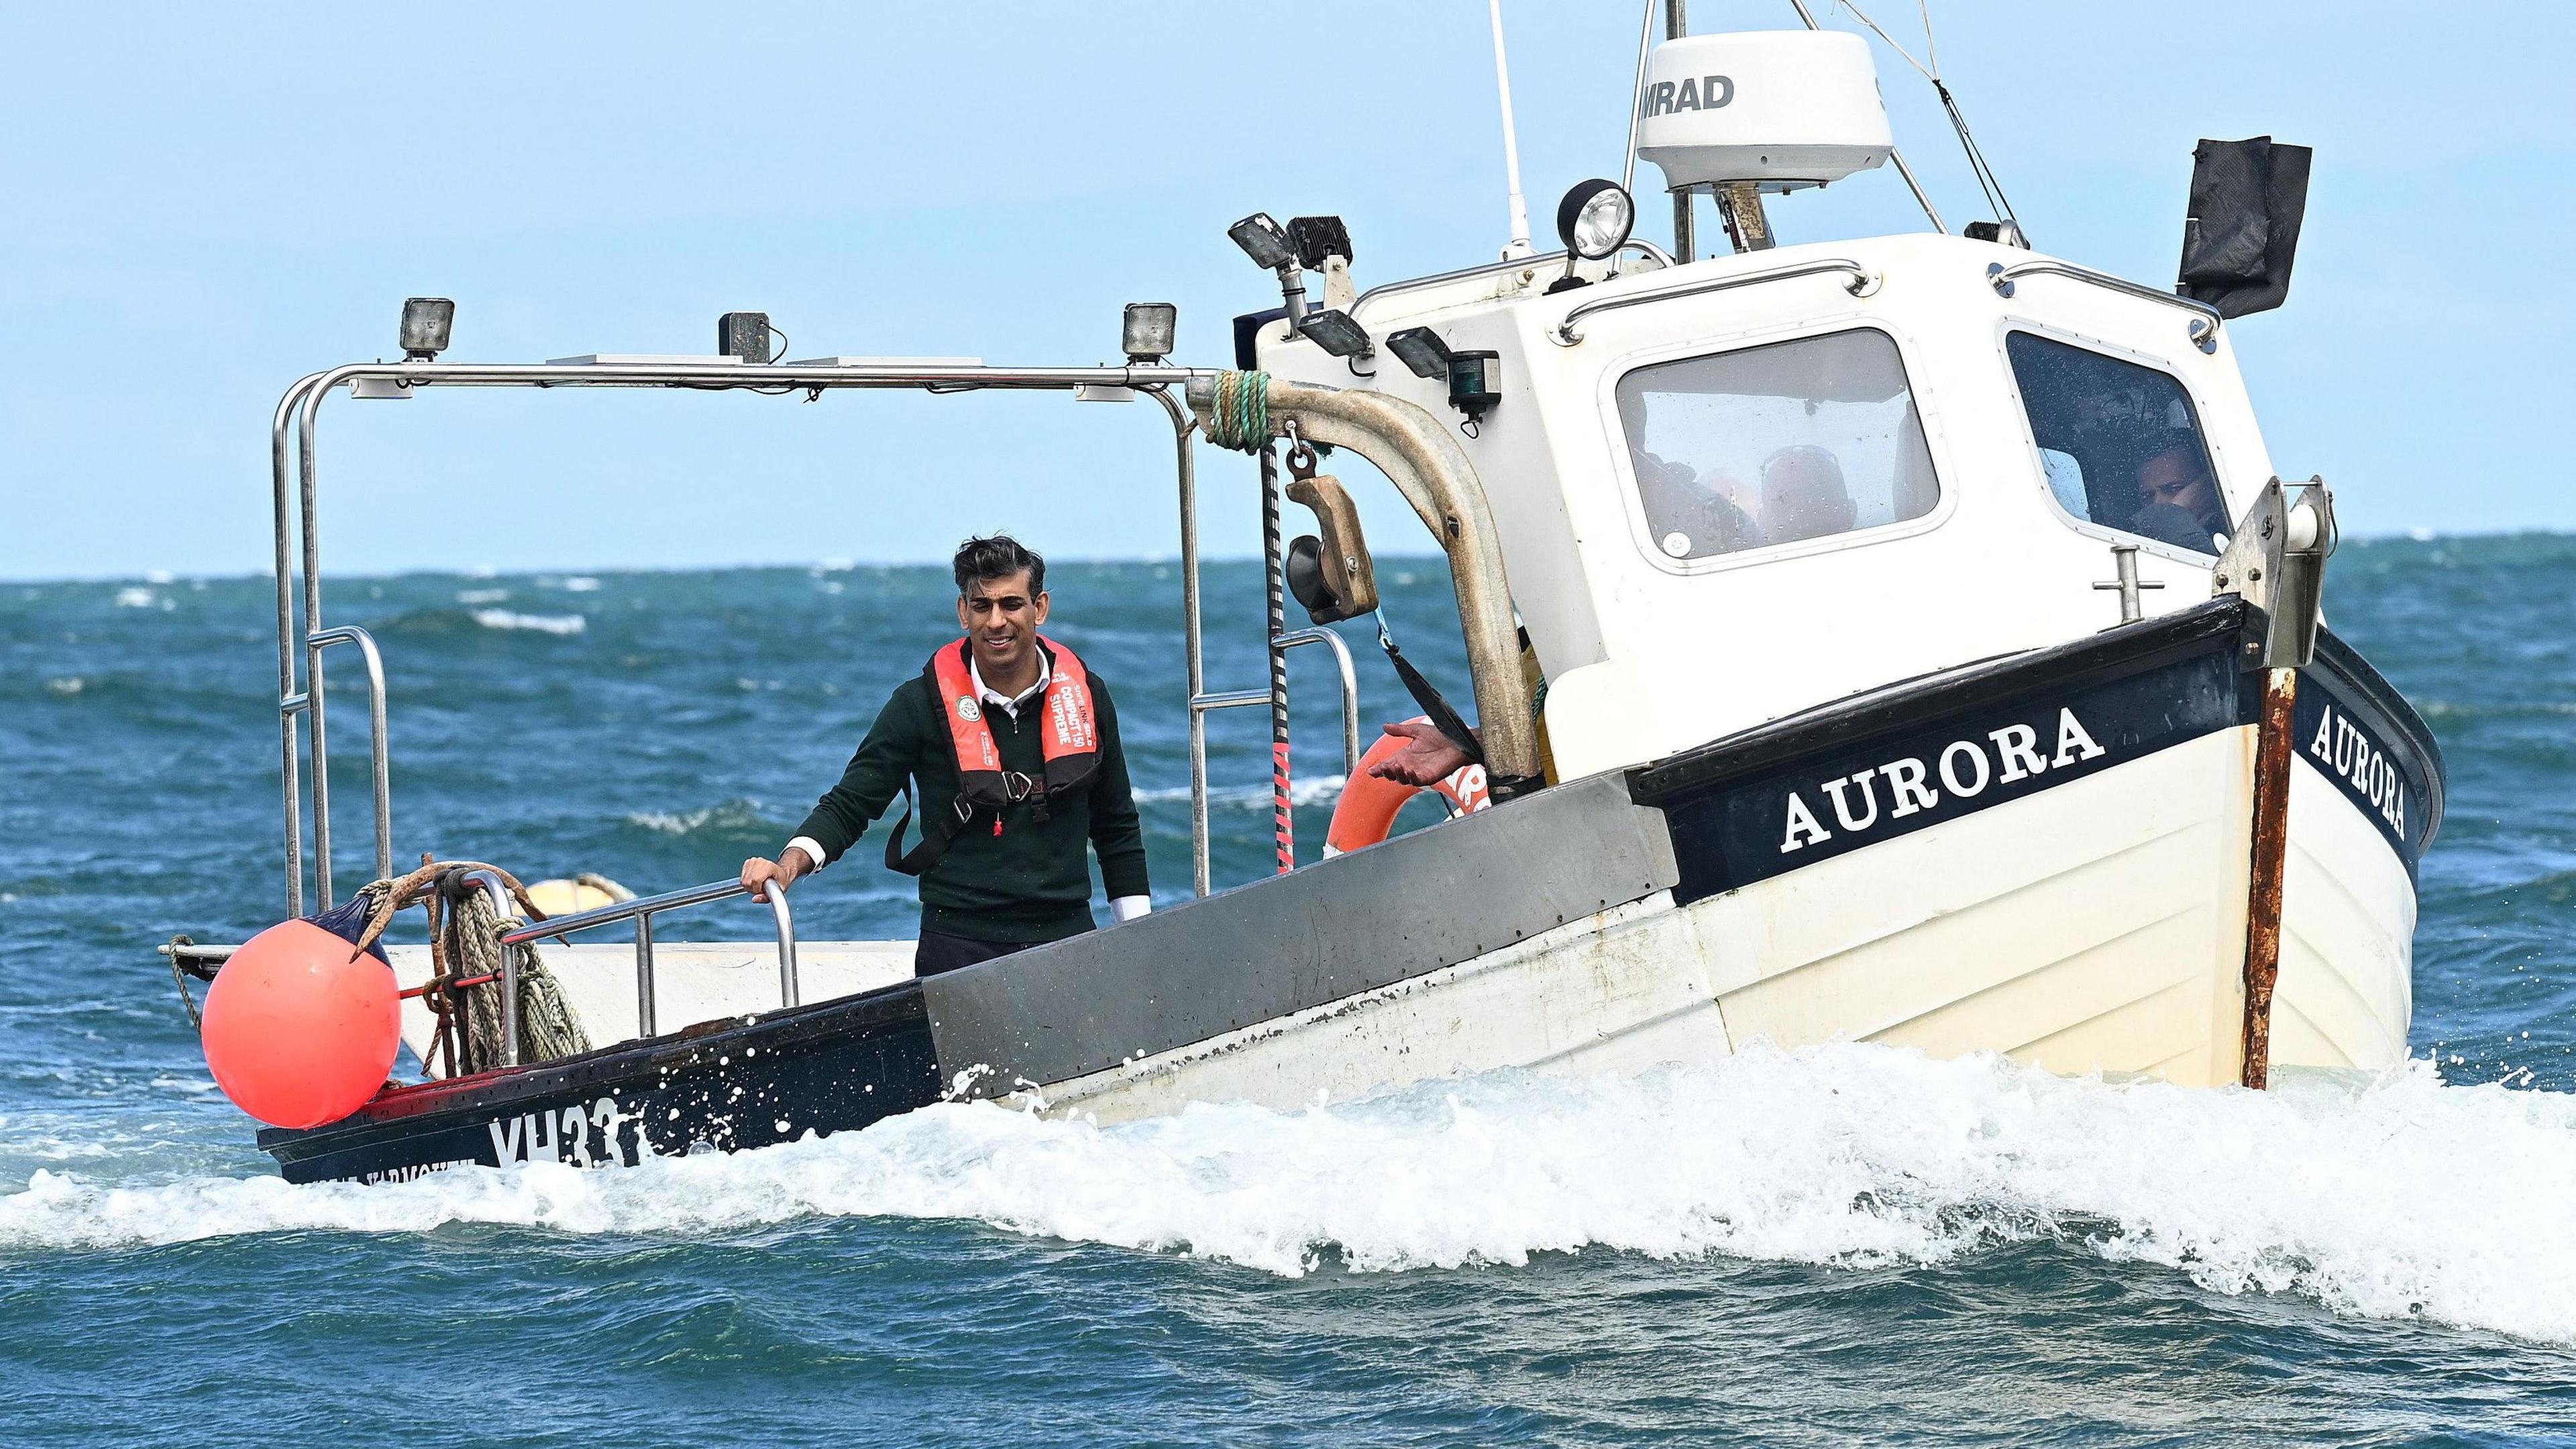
{"x":1030,"y":882}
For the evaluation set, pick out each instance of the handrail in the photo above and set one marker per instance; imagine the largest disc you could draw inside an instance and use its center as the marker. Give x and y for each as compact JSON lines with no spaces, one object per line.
{"x":1863,"y":283}
{"x":379,"y":759}
{"x":2205,"y":320}
{"x":1639,"y":245}
{"x":1319,"y":634}
{"x":294,"y":467}
{"x":1210,"y":701}
{"x":641,"y":911}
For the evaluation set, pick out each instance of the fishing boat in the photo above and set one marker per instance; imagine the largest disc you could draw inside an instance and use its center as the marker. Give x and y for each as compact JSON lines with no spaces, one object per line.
{"x":1904,"y":639}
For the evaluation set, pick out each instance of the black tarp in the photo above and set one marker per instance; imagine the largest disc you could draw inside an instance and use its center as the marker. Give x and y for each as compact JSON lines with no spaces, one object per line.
{"x":2247,"y":199}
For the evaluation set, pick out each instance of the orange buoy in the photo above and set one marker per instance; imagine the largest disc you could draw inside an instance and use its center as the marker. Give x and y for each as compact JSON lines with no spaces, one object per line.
{"x":1368,"y":807}
{"x":298,"y":1034}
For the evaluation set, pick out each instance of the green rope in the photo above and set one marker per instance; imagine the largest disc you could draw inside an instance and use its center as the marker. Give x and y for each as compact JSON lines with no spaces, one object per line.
{"x":1239,"y":415}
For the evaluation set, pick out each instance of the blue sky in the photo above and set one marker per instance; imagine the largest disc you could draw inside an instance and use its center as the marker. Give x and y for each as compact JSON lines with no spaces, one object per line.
{"x":206,"y":202}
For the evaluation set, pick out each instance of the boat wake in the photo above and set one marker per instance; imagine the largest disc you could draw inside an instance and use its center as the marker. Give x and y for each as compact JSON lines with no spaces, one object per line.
{"x":2395,"y":1197}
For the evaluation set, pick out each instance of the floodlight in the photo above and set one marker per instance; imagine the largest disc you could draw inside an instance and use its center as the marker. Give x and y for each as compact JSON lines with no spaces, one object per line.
{"x":1333,"y":330}
{"x":1146,"y":333}
{"x":743,"y":335}
{"x":1263,"y":241}
{"x":1318,"y":237}
{"x":426,"y":325}
{"x":1420,"y":349}
{"x":1594,"y":219}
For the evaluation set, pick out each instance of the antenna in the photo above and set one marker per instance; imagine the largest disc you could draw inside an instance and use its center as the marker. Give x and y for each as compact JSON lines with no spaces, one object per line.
{"x":1520,"y":243}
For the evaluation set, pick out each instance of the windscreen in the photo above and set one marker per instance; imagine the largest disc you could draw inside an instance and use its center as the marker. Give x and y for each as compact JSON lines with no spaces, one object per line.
{"x":2119,"y":443}
{"x":1776,"y":444}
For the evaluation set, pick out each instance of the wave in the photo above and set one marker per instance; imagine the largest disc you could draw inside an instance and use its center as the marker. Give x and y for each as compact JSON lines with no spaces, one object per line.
{"x":1302,"y":790}
{"x":730,"y":817}
{"x":2395,"y":1197}
{"x":565,"y":624}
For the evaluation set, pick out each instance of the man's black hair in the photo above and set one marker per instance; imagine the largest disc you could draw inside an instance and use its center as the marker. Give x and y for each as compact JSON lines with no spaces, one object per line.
{"x":998,"y":557}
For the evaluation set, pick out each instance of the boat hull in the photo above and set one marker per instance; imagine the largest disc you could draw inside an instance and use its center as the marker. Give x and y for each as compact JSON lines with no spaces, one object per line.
{"x":2046,"y":856}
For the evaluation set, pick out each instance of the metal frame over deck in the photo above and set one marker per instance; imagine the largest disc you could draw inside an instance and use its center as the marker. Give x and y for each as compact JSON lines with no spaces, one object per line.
{"x":295,"y":487}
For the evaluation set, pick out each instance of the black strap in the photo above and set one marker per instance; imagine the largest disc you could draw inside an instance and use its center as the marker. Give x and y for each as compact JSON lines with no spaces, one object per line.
{"x":936,"y":836}
{"x":1444,"y":717}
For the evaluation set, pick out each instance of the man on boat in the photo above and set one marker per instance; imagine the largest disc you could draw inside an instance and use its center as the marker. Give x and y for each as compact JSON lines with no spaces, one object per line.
{"x":1013,"y":745}
{"x":2178,"y":500}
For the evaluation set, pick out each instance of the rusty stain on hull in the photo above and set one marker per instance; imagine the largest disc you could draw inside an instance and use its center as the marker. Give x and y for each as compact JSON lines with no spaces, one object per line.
{"x":2272,"y":751}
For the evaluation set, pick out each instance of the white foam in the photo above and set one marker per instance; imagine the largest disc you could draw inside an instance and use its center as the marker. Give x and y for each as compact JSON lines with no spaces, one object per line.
{"x":2398,"y":1197}
{"x":542,"y":623}
{"x":481,"y":596}
{"x":1302,"y":790}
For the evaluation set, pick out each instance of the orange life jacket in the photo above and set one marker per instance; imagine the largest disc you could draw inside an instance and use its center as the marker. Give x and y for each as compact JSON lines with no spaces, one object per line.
{"x":1071,"y":741}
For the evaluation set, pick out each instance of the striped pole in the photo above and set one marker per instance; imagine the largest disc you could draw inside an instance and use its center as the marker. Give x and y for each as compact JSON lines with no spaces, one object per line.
{"x":1276,"y":564}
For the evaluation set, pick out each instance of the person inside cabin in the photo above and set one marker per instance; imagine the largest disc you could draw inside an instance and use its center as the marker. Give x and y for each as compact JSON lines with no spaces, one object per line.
{"x":1011,"y":744}
{"x":1804,"y":496}
{"x":1692,"y":515}
{"x":2179,"y":501}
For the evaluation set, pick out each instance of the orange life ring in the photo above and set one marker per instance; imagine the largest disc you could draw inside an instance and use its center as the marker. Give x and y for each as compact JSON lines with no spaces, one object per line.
{"x":1369,"y":804}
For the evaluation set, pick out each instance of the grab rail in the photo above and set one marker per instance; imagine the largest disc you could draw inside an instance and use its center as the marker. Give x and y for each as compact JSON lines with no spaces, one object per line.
{"x":1863,"y":283}
{"x":379,"y":760}
{"x":641,"y":911}
{"x":2204,"y":324}
{"x":1207,"y":702}
{"x":1350,"y":686}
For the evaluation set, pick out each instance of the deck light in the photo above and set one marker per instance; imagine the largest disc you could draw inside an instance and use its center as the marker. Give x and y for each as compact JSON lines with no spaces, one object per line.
{"x":1319,"y":237}
{"x":743,"y":335}
{"x":1594,"y":219}
{"x":426,"y":324}
{"x":1333,"y":330}
{"x":1146,"y":332}
{"x":1263,"y":241}
{"x":1420,"y":349}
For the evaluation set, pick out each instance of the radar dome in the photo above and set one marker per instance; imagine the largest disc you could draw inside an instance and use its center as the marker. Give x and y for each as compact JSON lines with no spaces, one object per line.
{"x":1779,"y":108}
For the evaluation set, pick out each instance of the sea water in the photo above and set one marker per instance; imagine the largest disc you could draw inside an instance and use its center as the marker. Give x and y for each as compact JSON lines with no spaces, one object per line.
{"x":1821,"y":1246}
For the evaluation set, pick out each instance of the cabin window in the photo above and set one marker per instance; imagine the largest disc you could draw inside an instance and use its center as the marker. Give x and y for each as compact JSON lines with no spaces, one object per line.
{"x":1776,"y":444}
{"x":2119,"y":444}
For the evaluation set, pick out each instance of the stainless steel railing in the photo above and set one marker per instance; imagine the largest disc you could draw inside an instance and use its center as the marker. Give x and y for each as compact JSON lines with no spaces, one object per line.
{"x":641,"y":911}
{"x":1863,"y":282}
{"x":2205,"y":319}
{"x":1201,"y":704}
{"x":379,"y":758}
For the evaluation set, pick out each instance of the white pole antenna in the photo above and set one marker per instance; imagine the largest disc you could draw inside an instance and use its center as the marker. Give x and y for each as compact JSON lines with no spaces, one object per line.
{"x":1520,"y":243}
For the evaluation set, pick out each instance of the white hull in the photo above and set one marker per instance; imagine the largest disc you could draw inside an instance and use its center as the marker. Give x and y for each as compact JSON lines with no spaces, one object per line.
{"x":2098,"y":927}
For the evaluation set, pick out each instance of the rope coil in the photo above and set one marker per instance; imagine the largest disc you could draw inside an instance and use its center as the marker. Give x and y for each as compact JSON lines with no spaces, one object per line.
{"x":466,"y":957}
{"x":1239,"y":417}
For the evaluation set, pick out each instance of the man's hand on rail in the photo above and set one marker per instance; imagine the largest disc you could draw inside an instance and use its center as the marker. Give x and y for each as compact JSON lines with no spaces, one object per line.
{"x":1429,"y":759}
{"x":758,"y":873}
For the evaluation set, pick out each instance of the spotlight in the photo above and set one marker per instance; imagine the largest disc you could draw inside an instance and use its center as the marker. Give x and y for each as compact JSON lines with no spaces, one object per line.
{"x":426,"y":323}
{"x":1420,"y":349}
{"x":1263,"y":241}
{"x":743,"y":336}
{"x":1145,"y":334}
{"x":1318,"y":237}
{"x":1594,"y":219}
{"x":1333,"y":330}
